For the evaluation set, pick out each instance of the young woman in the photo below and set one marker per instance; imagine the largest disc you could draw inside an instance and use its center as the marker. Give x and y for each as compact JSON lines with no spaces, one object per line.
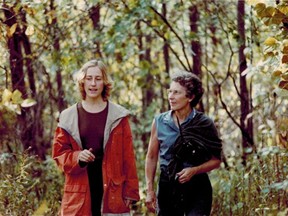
{"x":93,"y":147}
{"x":188,"y":145}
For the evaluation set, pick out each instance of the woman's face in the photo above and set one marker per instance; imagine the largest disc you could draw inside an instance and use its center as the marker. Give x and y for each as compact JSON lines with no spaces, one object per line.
{"x":93,"y":83}
{"x":177,"y":97}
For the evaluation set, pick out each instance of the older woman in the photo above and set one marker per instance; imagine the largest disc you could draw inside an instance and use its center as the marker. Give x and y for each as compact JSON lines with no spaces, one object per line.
{"x":93,"y":147}
{"x":188,"y":145}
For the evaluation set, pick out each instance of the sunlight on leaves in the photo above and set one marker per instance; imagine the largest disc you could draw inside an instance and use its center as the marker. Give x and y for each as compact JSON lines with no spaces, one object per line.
{"x":17,"y":97}
{"x":11,"y":30}
{"x":30,"y":30}
{"x":6,"y":96}
{"x":271,"y":41}
{"x":28,"y":103}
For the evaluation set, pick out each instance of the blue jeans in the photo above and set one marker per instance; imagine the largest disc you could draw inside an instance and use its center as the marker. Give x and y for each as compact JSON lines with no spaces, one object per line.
{"x":193,"y":198}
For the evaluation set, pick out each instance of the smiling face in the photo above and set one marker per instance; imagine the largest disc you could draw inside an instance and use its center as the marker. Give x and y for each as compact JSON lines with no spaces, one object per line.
{"x":177,"y":97}
{"x":93,"y":83}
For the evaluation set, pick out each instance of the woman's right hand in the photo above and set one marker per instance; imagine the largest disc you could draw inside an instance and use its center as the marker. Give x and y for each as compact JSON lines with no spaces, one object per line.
{"x":86,"y":156}
{"x":151,"y":201}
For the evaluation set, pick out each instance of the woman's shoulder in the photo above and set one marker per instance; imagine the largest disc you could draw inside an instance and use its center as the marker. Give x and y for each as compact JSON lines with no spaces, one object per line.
{"x":202,"y":118}
{"x":69,"y":109}
{"x":163,"y":116}
{"x":68,"y":112}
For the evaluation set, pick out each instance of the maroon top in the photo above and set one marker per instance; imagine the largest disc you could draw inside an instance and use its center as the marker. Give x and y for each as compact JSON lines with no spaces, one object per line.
{"x":91,"y":129}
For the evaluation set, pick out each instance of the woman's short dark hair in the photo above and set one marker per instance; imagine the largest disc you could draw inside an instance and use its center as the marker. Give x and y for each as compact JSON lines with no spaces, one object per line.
{"x":81,"y":74}
{"x":192,"y":83}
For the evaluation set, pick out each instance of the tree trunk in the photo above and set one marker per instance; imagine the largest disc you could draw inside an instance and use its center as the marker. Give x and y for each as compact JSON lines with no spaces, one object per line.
{"x":94,"y":13}
{"x":165,"y":46}
{"x":16,"y":56}
{"x":247,"y":139}
{"x":147,"y":89}
{"x":27,"y":121}
{"x":56,"y":45}
{"x":166,"y":62}
{"x":196,"y":46}
{"x":28,"y":56}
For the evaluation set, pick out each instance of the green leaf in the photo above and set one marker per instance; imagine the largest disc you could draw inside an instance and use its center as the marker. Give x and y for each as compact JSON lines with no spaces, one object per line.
{"x":17,"y":97}
{"x":28,"y":102}
{"x":6,"y":96}
{"x":30,"y":30}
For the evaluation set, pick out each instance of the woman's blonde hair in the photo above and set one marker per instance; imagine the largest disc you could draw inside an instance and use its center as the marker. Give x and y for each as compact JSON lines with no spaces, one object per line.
{"x":81,"y":74}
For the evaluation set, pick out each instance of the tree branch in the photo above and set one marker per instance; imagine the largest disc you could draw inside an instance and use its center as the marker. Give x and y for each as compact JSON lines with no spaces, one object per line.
{"x":175,"y":33}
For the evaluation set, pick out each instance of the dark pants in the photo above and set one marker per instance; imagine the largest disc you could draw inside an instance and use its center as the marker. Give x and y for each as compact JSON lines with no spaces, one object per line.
{"x":193,"y":198}
{"x":96,"y":186}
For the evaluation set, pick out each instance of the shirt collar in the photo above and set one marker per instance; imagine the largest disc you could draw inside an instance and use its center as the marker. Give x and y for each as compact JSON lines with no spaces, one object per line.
{"x":168,"y":118}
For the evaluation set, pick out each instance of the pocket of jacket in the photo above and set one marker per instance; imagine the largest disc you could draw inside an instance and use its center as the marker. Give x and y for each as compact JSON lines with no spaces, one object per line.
{"x":117,"y":182}
{"x":73,"y":199}
{"x":115,"y":195}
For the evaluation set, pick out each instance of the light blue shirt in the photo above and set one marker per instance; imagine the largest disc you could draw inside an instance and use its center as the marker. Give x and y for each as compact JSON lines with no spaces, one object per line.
{"x":167,"y":133}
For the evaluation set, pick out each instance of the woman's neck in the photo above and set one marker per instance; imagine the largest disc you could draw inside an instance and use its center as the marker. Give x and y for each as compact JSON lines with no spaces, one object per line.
{"x":182,"y":114}
{"x":94,"y":106}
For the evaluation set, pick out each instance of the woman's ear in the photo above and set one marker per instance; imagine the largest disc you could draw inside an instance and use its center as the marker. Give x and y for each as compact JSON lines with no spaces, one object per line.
{"x":191,"y":99}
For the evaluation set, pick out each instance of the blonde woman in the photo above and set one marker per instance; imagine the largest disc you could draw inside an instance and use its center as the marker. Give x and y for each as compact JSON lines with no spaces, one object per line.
{"x":93,"y":147}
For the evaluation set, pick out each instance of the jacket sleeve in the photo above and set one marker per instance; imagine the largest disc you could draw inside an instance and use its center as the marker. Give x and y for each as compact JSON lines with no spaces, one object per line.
{"x":131,"y":187}
{"x":65,"y":152}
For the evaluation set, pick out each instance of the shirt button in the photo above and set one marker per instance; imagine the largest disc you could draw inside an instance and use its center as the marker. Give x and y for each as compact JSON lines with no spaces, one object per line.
{"x":105,"y":185}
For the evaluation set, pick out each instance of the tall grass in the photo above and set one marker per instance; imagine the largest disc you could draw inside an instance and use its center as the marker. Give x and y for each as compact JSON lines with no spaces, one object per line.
{"x":259,"y":188}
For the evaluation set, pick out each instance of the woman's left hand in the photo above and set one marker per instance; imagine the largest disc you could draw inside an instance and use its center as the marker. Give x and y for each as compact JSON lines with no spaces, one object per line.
{"x":186,"y":174}
{"x":127,"y":202}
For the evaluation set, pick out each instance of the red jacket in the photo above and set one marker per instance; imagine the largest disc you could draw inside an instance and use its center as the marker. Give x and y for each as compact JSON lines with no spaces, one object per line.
{"x":119,"y":169}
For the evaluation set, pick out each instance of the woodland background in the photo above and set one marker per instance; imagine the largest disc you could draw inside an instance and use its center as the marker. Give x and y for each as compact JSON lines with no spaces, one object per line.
{"x":238,"y":48}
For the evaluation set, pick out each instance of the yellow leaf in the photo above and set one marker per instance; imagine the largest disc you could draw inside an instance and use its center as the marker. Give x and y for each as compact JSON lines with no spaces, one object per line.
{"x":14,"y":107}
{"x":270,"y":11}
{"x":277,"y":18}
{"x":154,"y":23}
{"x":276,"y":73}
{"x":30,"y":30}
{"x":11,"y":30}
{"x":260,"y":9}
{"x":6,"y":96}
{"x":42,"y":209}
{"x":18,"y":109}
{"x":285,"y":76}
{"x":283,"y":9}
{"x":17,"y":97}
{"x":167,"y":35}
{"x":65,"y":15}
{"x":285,"y":42}
{"x":270,"y":41}
{"x":30,"y":11}
{"x":253,"y":2}
{"x":285,"y":50}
